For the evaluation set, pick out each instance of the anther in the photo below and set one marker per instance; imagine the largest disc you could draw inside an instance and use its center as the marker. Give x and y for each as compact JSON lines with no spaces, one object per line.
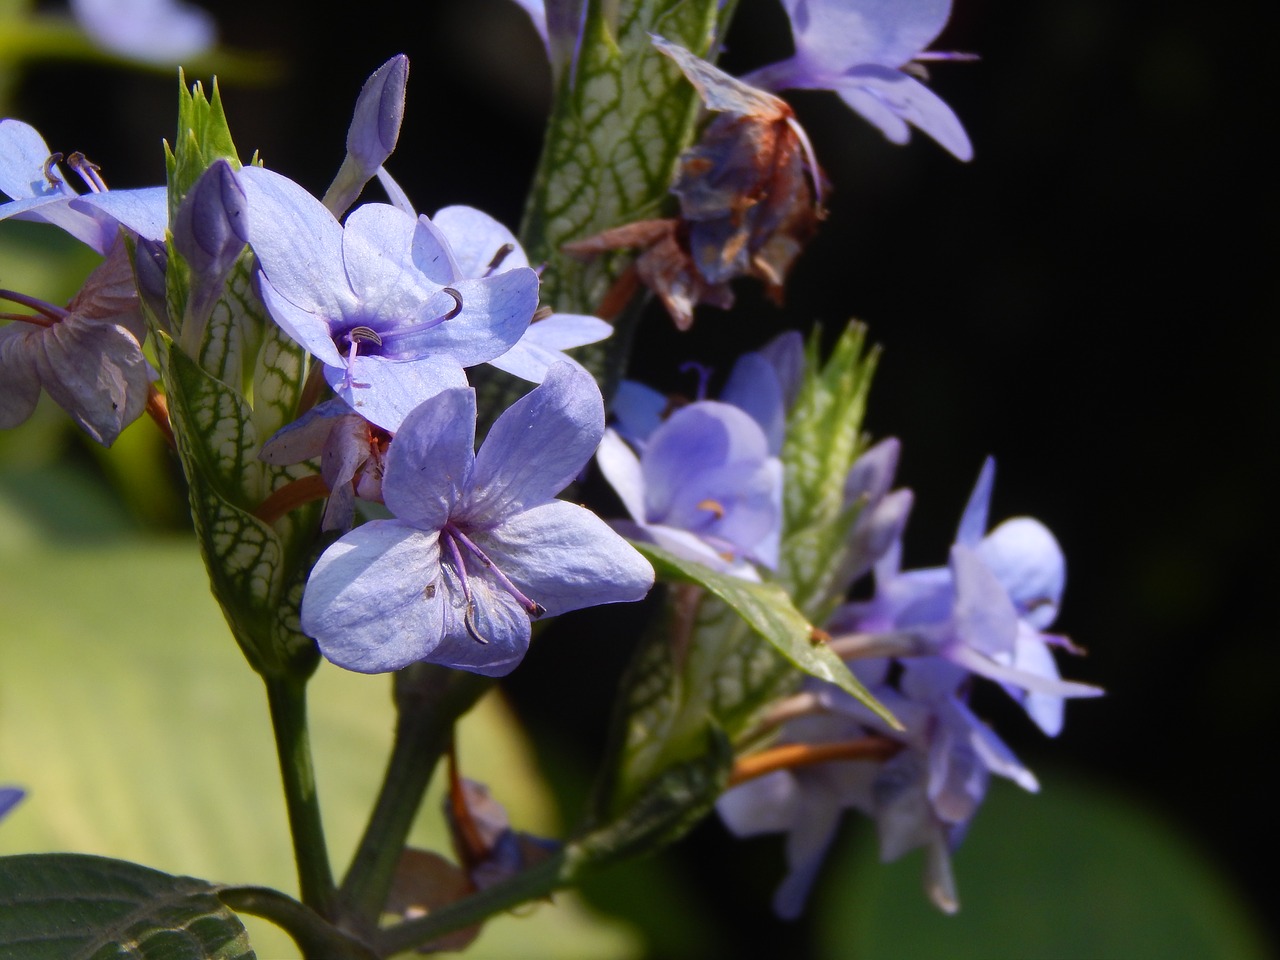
{"x":88,"y":171}
{"x":504,"y":251}
{"x":714,"y":506}
{"x":50,"y":165}
{"x":457,"y":303}
{"x":541,"y":314}
{"x":364,"y":334}
{"x":470,"y":624}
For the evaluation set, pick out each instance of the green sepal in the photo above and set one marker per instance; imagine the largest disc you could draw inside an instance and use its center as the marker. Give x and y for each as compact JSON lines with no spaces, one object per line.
{"x":203,"y":137}
{"x":255,"y":569}
{"x":823,"y":440}
{"x":64,"y":906}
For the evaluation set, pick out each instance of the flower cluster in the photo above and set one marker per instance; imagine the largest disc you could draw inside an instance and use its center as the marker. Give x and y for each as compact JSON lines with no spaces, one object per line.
{"x":918,"y":645}
{"x":333,"y":348}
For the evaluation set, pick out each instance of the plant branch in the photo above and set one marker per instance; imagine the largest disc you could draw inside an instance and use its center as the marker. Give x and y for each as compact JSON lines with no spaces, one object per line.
{"x":430,"y":699}
{"x":287,"y":699}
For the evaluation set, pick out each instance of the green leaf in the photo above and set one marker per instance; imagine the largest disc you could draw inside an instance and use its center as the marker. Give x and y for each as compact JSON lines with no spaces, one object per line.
{"x":139,"y":734}
{"x":71,"y":906}
{"x":823,"y":440}
{"x":255,"y":569}
{"x":768,"y":609}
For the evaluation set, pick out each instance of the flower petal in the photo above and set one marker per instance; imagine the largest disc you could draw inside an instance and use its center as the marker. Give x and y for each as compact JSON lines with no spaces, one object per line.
{"x":298,"y":244}
{"x":430,"y":461}
{"x":565,"y":557}
{"x":384,"y":392}
{"x":375,"y":601}
{"x":538,"y":445}
{"x":477,"y":240}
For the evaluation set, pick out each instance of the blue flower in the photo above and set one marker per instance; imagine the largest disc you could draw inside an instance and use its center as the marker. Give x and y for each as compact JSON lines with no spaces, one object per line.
{"x":706,"y":486}
{"x":9,"y":798}
{"x":859,"y":49}
{"x":925,"y":794}
{"x":30,"y":175}
{"x":985,"y":612}
{"x":483,"y":247}
{"x":479,"y":547}
{"x":157,"y":31}
{"x":365,"y":298}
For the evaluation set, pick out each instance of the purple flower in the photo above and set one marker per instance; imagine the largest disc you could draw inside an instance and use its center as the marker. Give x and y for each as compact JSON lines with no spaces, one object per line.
{"x":859,"y":49}
{"x":157,"y":31}
{"x":365,"y":300}
{"x":984,"y":612}
{"x":87,"y":357}
{"x":30,"y":175}
{"x":763,"y":383}
{"x":478,"y":547}
{"x":374,"y":130}
{"x":924,"y":795}
{"x":352,"y":456}
{"x":483,"y":247}
{"x":9,"y":798}
{"x":706,"y":486}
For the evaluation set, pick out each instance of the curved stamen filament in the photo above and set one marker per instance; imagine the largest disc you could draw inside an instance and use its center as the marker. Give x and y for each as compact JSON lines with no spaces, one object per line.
{"x":409,"y":331}
{"x":448,"y":535}
{"x":532,"y":607}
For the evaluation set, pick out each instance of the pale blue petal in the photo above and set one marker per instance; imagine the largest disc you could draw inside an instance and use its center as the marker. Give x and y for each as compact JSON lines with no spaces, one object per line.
{"x":985,"y":618}
{"x":973,"y":522}
{"x":298,"y":244}
{"x":377,"y":252}
{"x":432,"y":252}
{"x":23,"y":154}
{"x":1026,"y":559}
{"x":754,"y":386}
{"x":157,"y":31}
{"x":767,"y":804}
{"x":496,"y":617}
{"x":538,"y":445}
{"x":836,"y":34}
{"x":375,"y":601}
{"x":495,"y":314}
{"x":564,"y":557}
{"x":621,"y":467}
{"x":384,"y":392}
{"x":540,"y":347}
{"x":639,"y":411}
{"x":699,"y":437}
{"x":307,"y":329}
{"x":477,"y":239}
{"x":872,"y":90}
{"x":145,"y":211}
{"x":430,"y":461}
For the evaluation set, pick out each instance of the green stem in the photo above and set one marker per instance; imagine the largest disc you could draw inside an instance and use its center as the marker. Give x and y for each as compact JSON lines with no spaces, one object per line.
{"x":430,"y":699}
{"x":536,"y":882}
{"x":314,"y":935}
{"x":287,"y":700}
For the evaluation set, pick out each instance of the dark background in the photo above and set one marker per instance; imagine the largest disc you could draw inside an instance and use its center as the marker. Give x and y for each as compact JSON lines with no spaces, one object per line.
{"x":1084,"y":300}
